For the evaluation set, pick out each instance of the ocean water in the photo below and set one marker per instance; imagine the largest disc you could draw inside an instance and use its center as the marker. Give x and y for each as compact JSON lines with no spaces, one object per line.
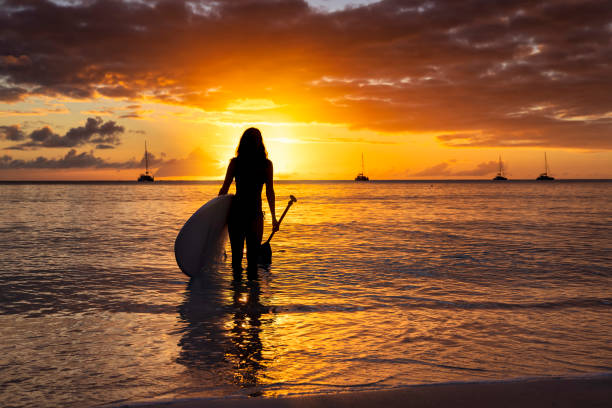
{"x":372,"y":286}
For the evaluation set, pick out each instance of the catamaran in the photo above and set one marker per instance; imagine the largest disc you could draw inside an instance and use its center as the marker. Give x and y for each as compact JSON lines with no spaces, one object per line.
{"x":500,"y":173}
{"x":544,"y":176}
{"x":361,"y":176}
{"x":146,"y":177}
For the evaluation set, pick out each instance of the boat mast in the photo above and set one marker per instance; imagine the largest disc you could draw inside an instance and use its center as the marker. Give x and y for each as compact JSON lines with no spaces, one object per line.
{"x":362,"y":167}
{"x":545,"y":164}
{"x":146,"y":159}
{"x":500,"y":165}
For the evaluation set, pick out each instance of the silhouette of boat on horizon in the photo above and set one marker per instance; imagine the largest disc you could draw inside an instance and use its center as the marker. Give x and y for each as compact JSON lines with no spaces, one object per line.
{"x":500,"y":174}
{"x":361,"y":176}
{"x":146,"y":177}
{"x":544,"y":176}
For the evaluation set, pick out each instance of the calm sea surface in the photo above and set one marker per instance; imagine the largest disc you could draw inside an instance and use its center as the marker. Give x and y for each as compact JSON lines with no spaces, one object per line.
{"x":372,"y":286}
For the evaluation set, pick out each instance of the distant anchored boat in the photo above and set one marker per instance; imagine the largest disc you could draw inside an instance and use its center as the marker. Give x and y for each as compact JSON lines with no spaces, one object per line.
{"x":500,"y":173}
{"x":146,"y":177}
{"x":544,"y":176}
{"x":361,"y":176}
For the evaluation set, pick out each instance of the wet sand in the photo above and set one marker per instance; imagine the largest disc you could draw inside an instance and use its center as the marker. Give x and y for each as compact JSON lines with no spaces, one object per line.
{"x":546,"y":392}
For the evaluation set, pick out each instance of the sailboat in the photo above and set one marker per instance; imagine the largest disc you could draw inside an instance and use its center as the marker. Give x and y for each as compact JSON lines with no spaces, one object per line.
{"x":544,"y":176}
{"x":361,"y":176}
{"x":500,"y":173}
{"x":146,"y":177}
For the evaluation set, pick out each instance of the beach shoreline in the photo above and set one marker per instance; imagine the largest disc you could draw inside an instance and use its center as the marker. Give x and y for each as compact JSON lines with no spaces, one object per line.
{"x":582,"y":391}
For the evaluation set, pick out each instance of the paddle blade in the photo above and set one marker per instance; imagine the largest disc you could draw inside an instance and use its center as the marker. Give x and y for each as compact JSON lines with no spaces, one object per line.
{"x":265,"y":254}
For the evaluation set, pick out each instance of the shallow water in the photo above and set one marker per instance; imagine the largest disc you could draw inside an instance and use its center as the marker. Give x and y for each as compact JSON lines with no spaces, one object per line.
{"x":372,"y":285}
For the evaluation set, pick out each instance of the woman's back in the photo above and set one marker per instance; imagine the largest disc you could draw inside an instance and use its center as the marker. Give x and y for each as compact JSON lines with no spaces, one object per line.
{"x":250,"y":176}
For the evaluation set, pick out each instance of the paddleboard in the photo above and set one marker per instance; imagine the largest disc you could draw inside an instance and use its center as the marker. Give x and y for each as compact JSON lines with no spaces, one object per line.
{"x":199,"y":244}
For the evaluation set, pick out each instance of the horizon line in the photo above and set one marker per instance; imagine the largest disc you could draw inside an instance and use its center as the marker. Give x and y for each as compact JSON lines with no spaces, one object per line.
{"x":281,"y":180}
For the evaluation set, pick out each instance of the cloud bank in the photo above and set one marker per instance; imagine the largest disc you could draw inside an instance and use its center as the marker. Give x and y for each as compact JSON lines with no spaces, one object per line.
{"x":105,"y":135}
{"x":197,"y":163}
{"x":445,"y":169}
{"x":71,"y":160}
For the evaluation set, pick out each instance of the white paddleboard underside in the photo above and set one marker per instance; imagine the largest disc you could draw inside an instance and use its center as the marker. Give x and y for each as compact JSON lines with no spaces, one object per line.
{"x":199,"y":244}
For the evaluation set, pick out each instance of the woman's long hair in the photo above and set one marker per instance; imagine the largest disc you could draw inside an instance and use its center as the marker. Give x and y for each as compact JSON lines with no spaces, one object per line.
{"x":251,"y":147}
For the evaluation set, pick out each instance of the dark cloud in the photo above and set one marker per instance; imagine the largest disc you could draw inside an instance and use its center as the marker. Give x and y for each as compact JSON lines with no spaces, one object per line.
{"x":95,"y":131}
{"x":12,"y":93}
{"x":12,"y":133}
{"x":502,"y":73}
{"x":43,"y":134}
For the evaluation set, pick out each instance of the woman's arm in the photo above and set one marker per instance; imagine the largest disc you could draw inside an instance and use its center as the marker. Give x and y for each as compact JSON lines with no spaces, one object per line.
{"x":229,"y":176}
{"x":270,"y":195}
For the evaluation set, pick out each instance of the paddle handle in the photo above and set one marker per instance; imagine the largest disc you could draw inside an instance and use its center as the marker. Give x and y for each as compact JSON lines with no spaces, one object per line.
{"x":289,"y":204}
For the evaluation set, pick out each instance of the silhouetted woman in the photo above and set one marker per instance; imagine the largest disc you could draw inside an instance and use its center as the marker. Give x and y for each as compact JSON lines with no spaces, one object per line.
{"x":251,"y":169}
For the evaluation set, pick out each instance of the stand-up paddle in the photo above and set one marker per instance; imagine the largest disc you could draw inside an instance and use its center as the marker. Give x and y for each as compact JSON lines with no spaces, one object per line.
{"x":265,"y":252}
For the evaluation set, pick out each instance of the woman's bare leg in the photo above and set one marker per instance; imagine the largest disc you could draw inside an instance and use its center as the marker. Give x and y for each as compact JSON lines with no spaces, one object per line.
{"x":236,"y":233}
{"x":254,"y":234}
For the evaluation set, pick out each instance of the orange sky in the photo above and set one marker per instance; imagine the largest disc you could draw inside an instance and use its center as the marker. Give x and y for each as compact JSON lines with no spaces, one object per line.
{"x":425,"y":90}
